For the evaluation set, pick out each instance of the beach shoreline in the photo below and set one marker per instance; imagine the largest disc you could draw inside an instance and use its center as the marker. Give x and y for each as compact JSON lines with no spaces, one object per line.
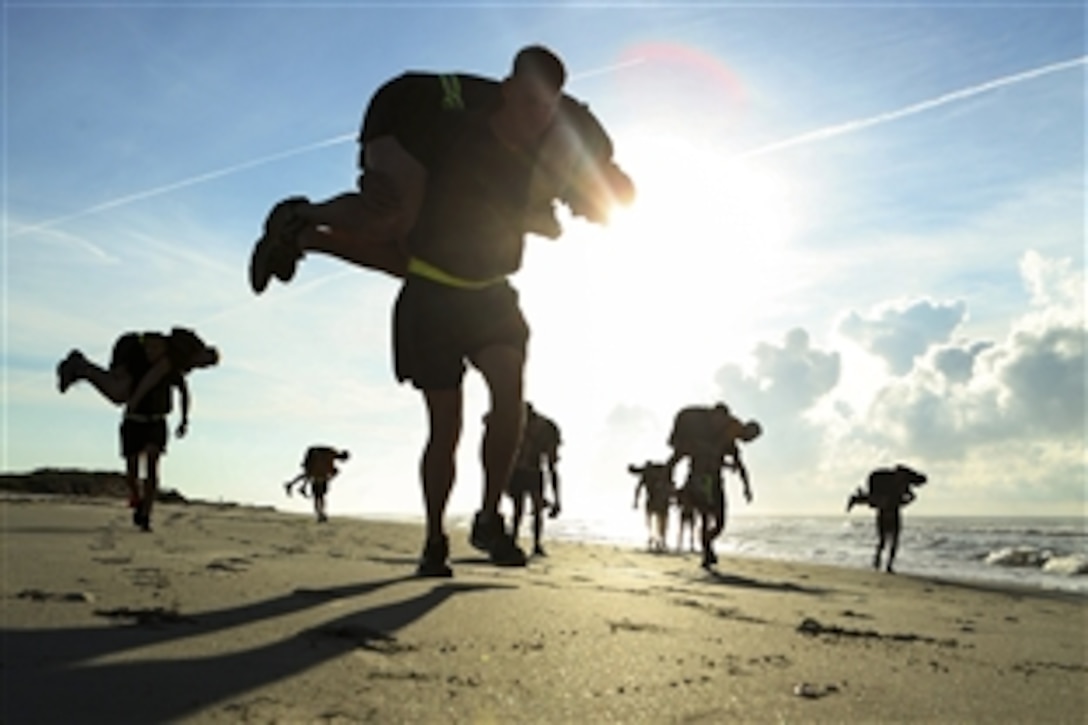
{"x":229,"y":612}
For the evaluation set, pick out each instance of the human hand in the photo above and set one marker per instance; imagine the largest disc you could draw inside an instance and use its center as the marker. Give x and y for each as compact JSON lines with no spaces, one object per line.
{"x":183,"y":428}
{"x":554,"y":511}
{"x":748,"y":495}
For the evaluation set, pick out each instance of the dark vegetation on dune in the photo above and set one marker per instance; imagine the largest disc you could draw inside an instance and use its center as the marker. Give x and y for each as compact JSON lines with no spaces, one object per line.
{"x":76,"y":482}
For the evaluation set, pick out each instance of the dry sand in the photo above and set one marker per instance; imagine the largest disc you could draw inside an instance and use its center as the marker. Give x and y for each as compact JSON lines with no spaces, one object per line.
{"x":232,"y":614}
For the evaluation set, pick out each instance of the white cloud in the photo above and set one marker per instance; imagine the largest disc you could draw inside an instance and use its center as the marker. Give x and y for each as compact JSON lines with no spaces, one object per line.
{"x":1029,"y":384}
{"x":784,"y":386}
{"x":903,"y":331}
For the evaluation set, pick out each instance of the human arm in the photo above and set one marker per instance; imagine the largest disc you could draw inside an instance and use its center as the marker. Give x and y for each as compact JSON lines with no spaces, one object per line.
{"x":183,"y":395}
{"x":154,"y":375}
{"x":637,"y":471}
{"x":553,"y":475}
{"x":742,"y":471}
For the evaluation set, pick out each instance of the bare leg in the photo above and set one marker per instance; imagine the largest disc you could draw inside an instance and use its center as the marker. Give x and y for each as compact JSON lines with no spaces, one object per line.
{"x":538,"y":520}
{"x":114,"y":384}
{"x":502,"y":368}
{"x":881,"y":538}
{"x":662,"y":528}
{"x":519,"y":509}
{"x":132,"y":480}
{"x":287,"y":486}
{"x":707,"y":540}
{"x":712,"y":531}
{"x":151,"y":486}
{"x":438,"y":467}
{"x":367,"y":228}
{"x":893,"y":547}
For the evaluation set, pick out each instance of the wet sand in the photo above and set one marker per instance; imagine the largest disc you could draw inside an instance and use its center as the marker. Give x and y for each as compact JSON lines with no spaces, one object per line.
{"x":231,"y":614}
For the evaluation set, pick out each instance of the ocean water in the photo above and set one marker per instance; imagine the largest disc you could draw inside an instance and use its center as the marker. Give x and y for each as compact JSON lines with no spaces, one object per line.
{"x":1044,"y":553}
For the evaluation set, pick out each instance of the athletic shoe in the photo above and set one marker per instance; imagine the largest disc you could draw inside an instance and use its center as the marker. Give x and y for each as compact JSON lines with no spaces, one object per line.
{"x":709,"y":558}
{"x":141,"y":518}
{"x":68,"y":370}
{"x":489,"y":535}
{"x":432,"y":563}
{"x":277,"y":253}
{"x":538,"y":550}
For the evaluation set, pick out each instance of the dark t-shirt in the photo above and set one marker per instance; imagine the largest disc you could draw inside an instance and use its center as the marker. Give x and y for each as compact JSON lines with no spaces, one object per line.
{"x":320,"y":462}
{"x":130,"y":352}
{"x":887,"y":489}
{"x":472,"y":221}
{"x":411,"y":106}
{"x":702,"y":434}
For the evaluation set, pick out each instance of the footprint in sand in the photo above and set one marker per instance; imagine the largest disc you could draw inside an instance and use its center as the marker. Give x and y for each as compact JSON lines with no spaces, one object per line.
{"x":230,"y":565}
{"x":148,"y":576}
{"x":39,"y":595}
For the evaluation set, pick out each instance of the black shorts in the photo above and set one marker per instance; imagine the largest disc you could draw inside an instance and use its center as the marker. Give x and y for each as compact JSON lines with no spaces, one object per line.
{"x":139,"y":435}
{"x":319,"y":488}
{"x":526,"y":481}
{"x":706,"y":493}
{"x":437,"y":327}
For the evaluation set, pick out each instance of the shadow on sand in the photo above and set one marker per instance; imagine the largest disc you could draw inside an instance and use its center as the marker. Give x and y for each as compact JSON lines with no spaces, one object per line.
{"x":50,"y":675}
{"x":735,"y":580}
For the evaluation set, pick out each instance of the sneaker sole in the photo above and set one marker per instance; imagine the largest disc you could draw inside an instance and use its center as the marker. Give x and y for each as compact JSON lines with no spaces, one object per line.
{"x":262,"y":261}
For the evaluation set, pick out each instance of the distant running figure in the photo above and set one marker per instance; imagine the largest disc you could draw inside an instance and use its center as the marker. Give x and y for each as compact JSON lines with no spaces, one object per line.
{"x":144,"y":369}
{"x":656,"y":481}
{"x":708,"y":438}
{"x":535,"y":462}
{"x":318,"y":469}
{"x":399,"y":142}
{"x":686,"y":508}
{"x":889,"y":491}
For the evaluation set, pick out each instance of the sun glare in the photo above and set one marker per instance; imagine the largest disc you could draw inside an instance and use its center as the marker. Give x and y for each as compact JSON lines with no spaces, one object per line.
{"x":678,"y":281}
{"x":704,"y":228}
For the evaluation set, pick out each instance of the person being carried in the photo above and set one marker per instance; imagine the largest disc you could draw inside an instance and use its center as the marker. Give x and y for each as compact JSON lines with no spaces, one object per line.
{"x":537,"y":454}
{"x":318,"y":469}
{"x":888,"y":492}
{"x":144,"y":370}
{"x":398,"y":145}
{"x":456,"y":305}
{"x":708,"y":438}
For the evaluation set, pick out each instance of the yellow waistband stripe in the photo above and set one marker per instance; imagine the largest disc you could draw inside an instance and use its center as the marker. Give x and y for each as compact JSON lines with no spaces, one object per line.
{"x":430,"y":272}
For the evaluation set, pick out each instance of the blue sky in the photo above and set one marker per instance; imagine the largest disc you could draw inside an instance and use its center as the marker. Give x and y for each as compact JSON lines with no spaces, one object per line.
{"x":861,"y":224}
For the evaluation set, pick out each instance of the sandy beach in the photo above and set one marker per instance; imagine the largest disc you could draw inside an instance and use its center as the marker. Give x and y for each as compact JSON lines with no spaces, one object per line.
{"x":233,"y":614}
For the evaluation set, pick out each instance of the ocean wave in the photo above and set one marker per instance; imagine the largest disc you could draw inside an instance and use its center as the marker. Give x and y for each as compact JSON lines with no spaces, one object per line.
{"x":1036,"y":558}
{"x":1067,"y":565}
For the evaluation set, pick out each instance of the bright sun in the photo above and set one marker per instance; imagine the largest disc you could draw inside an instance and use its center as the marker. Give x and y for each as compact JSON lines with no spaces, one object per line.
{"x":689,"y":266}
{"x":707,"y":230}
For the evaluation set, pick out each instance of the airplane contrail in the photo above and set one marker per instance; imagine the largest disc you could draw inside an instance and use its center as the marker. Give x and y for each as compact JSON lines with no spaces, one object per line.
{"x":862,"y":123}
{"x":608,"y":69}
{"x":121,"y":201}
{"x":799,"y":140}
{"x":207,"y":176}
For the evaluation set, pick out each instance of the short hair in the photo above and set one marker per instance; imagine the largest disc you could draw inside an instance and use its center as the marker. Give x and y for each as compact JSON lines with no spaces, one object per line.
{"x":541,"y":64}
